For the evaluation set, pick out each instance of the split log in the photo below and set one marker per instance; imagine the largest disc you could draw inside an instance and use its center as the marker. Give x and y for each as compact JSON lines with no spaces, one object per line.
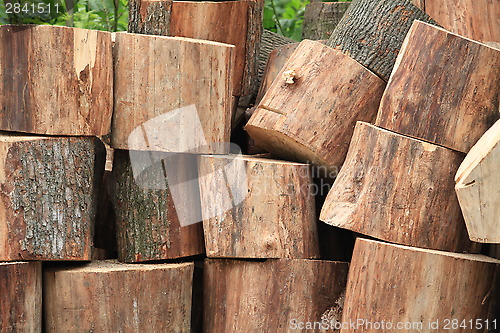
{"x":176,"y":99}
{"x":232,"y":22}
{"x":372,"y":32}
{"x":21,"y":300}
{"x":478,"y":188}
{"x":400,"y":190}
{"x":301,"y":92}
{"x":275,"y":62}
{"x":454,"y":98}
{"x":151,"y":223}
{"x":423,"y":289}
{"x":272,"y":296}
{"x":105,"y":296}
{"x":476,"y":19}
{"x":269,"y":41}
{"x":257,"y":208}
{"x":48,"y":196}
{"x":320,"y":19}
{"x":55,"y":80}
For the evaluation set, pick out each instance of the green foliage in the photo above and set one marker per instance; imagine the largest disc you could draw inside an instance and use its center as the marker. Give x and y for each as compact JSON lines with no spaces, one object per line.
{"x":108,"y":15}
{"x":285,"y":17}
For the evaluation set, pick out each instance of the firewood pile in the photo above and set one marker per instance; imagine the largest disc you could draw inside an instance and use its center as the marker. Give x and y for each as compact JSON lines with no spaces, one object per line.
{"x":155,"y":181}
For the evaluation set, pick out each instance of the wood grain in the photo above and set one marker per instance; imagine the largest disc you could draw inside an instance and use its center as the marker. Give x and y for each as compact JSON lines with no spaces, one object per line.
{"x":48,"y":196}
{"x":304,"y":290}
{"x":397,"y":283}
{"x":55,"y":80}
{"x":21,"y":297}
{"x":257,"y":208}
{"x":148,"y":220}
{"x":331,"y":91}
{"x":232,"y":22}
{"x":372,"y":32}
{"x":478,"y":188}
{"x":105,"y":296}
{"x":400,"y":190}
{"x":156,"y":79}
{"x":454,"y":98}
{"x":476,"y":19}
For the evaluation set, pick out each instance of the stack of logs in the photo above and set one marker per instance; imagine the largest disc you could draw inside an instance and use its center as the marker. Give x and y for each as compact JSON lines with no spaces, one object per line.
{"x":120,"y":187}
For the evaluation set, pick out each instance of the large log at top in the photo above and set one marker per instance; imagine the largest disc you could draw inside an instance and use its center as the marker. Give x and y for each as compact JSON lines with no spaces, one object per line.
{"x":372,"y":32}
{"x":476,"y":19}
{"x":310,"y":110}
{"x":478,"y":187}
{"x":257,"y":208}
{"x":21,"y":297}
{"x":421,"y":290}
{"x":55,"y":80}
{"x":232,"y":22}
{"x":106,"y":296}
{"x":454,"y":98}
{"x":278,"y":295}
{"x":49,"y":189}
{"x":321,"y":18}
{"x":400,"y":190}
{"x":176,"y":98}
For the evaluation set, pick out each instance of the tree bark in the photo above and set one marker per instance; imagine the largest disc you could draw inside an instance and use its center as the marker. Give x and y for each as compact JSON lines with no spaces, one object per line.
{"x":400,"y":190}
{"x":105,"y":296}
{"x":257,"y":208}
{"x":149,"y":221}
{"x":48,"y":196}
{"x":477,"y":187}
{"x":21,"y":300}
{"x":454,"y":98}
{"x":399,"y":284}
{"x":320,"y":19}
{"x":271,"y":295}
{"x":269,"y":41}
{"x":232,"y":22}
{"x":477,"y":20}
{"x":171,"y":100}
{"x":353,"y":93}
{"x":55,"y":80}
{"x":276,"y":60}
{"x":372,"y":32}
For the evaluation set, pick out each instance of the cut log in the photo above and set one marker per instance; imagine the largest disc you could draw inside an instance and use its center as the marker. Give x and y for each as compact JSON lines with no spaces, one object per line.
{"x":48,"y":196}
{"x":177,"y":98}
{"x":272,"y":296}
{"x":400,"y":190}
{"x":478,"y":188}
{"x":476,"y":19}
{"x":269,"y":41}
{"x":320,"y":19}
{"x":275,"y":62}
{"x":55,"y":80}
{"x":151,"y":222}
{"x":105,"y":296}
{"x":300,"y":93}
{"x":425,"y":290}
{"x":372,"y":32}
{"x":454,"y":98}
{"x":257,"y":208}
{"x":232,"y":22}
{"x":21,"y":297}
